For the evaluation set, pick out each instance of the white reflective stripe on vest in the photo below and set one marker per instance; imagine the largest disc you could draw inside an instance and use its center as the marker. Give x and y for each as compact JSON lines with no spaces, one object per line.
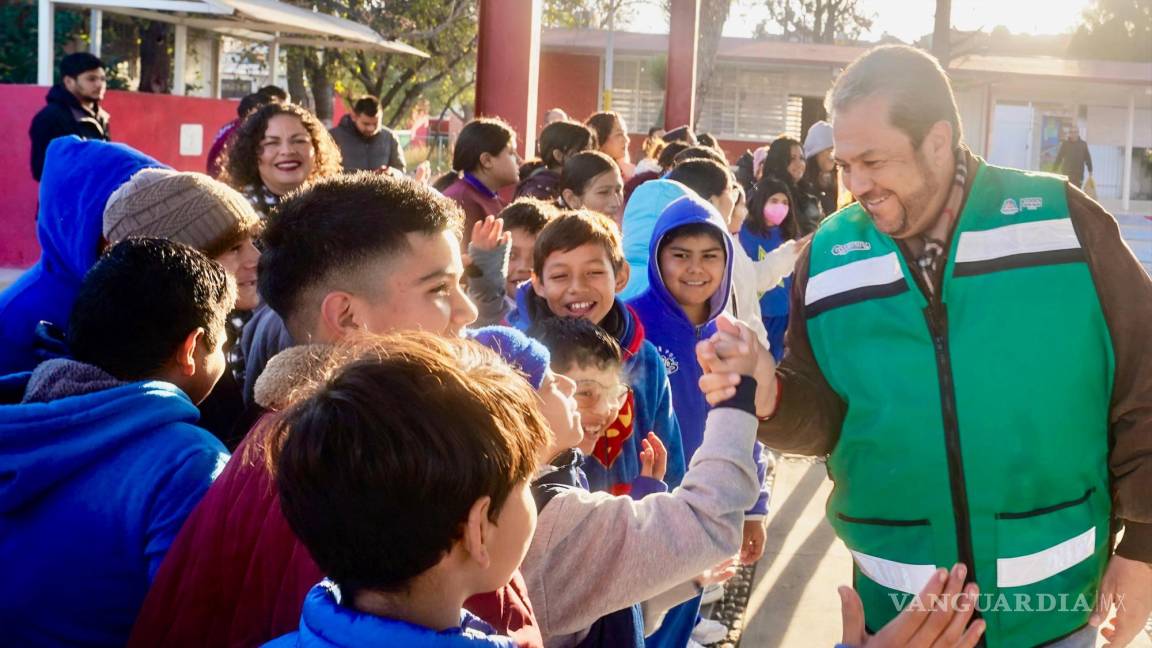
{"x":894,"y":575}
{"x":1022,"y":238}
{"x":1033,"y":568}
{"x":877,"y":271}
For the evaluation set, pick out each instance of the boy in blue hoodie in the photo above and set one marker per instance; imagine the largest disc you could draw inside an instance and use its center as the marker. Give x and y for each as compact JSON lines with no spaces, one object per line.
{"x":100,"y":456}
{"x":578,"y":267}
{"x":689,"y":285}
{"x":406,"y":476}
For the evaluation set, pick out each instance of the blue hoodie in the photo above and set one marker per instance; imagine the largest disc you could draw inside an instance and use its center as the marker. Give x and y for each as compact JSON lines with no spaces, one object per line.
{"x":324,"y":623}
{"x":640,"y":215}
{"x":675,"y":338}
{"x":650,"y":400}
{"x":96,"y":478}
{"x":79,"y":176}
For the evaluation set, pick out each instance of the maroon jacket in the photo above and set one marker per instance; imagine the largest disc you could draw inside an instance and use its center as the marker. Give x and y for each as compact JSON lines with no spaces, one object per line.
{"x":236,"y":574}
{"x":476,"y":205}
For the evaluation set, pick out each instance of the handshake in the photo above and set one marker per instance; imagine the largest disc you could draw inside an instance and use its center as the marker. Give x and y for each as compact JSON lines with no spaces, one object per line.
{"x":731,"y":353}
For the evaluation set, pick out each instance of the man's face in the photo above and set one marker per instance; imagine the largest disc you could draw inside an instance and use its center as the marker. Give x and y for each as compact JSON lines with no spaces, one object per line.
{"x":367,"y":125}
{"x":519,"y":259}
{"x":417,"y":289}
{"x":580,"y":283}
{"x":897,"y":184}
{"x":87,"y":86}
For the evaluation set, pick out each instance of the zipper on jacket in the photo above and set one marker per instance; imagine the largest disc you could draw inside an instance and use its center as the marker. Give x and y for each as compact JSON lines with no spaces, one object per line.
{"x":936,"y":314}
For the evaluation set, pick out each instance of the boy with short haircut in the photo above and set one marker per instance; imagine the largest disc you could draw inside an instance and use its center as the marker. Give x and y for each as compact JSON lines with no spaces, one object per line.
{"x":346,"y":255}
{"x":502,"y":263}
{"x":588,"y":591}
{"x":420,"y":501}
{"x":689,"y":287}
{"x":578,"y":267}
{"x":101,"y":455}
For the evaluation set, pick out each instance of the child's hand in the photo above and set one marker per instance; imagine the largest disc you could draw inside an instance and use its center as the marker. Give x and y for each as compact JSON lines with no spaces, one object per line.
{"x":653,"y":457}
{"x":752,"y":548}
{"x":489,"y":233}
{"x":721,"y":573}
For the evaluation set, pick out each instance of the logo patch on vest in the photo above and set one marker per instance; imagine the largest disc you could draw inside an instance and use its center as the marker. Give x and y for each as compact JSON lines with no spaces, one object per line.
{"x":1009,"y":208}
{"x":1031,"y":204}
{"x":852,"y":246}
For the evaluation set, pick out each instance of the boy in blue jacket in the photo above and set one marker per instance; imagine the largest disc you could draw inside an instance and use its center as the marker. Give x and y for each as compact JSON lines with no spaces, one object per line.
{"x":100,"y":456}
{"x":406,"y":476}
{"x":689,"y":285}
{"x":578,"y":267}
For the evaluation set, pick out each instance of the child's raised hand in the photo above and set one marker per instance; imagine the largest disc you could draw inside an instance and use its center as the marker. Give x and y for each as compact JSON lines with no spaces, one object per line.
{"x":719,"y":574}
{"x":653,"y":457}
{"x":489,"y":233}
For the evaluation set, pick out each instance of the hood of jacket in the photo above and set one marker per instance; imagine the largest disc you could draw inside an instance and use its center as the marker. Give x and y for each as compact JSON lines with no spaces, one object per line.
{"x":86,"y":423}
{"x":325,"y":623}
{"x":640,"y":214}
{"x":79,"y":177}
{"x":689,"y":210}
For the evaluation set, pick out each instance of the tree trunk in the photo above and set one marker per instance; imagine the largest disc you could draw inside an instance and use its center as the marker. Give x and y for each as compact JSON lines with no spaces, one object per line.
{"x":320,"y":80}
{"x":942,"y":33}
{"x":713,"y":15}
{"x":155,"y":62}
{"x":297,"y":90}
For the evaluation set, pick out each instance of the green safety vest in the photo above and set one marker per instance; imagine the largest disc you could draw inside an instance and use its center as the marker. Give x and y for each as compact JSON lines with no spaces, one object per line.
{"x":976,"y":427}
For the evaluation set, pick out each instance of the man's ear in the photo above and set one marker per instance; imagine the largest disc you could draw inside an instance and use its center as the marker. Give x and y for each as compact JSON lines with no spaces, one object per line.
{"x":476,"y":532}
{"x":939,"y":141}
{"x":338,"y":315}
{"x":622,"y":276}
{"x":186,"y":353}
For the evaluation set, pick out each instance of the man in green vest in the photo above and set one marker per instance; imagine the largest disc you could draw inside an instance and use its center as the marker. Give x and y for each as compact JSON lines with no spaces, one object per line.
{"x":968,"y":345}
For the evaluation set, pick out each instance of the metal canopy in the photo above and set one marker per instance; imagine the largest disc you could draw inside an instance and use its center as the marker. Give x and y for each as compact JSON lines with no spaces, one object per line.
{"x":268,"y":21}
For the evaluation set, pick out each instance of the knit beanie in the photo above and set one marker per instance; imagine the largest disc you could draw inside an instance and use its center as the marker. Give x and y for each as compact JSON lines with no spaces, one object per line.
{"x":819,"y":138}
{"x":517,"y":349}
{"x":180,"y":206}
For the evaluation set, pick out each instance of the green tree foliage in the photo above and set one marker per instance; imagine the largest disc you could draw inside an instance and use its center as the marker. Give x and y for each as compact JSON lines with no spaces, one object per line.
{"x":1119,"y":30}
{"x":815,"y":21}
{"x":588,"y":14}
{"x":18,"y":39}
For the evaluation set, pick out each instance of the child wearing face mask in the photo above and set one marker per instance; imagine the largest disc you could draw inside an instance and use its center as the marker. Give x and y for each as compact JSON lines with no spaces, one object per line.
{"x":771,"y":223}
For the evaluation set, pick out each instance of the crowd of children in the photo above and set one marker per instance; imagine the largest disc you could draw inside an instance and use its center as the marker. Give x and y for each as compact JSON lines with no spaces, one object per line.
{"x":452,"y":421}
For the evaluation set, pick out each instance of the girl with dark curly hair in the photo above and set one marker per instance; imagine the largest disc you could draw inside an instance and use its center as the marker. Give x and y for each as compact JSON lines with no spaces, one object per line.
{"x":277,"y":149}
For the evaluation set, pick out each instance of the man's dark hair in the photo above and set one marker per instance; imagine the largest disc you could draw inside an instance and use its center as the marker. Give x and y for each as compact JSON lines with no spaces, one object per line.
{"x":683,"y":134}
{"x":668,"y":155}
{"x":367,"y":105}
{"x":480,"y":136}
{"x":917,"y":89}
{"x":574,"y":228}
{"x":708,"y":178}
{"x":528,"y":214}
{"x":380,"y":468}
{"x":78,"y":63}
{"x":140,"y":301}
{"x":700,"y":152}
{"x":577,"y":342}
{"x":251,"y":103}
{"x":274,"y":93}
{"x":328,"y":234}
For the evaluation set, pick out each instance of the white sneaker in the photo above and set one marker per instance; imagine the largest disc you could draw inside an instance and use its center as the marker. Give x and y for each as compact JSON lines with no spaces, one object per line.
{"x":712,"y":593}
{"x":709,"y":631}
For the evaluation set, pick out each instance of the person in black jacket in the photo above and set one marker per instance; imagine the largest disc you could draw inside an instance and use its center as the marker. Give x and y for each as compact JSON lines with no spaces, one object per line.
{"x":73,"y":107}
{"x":1072,"y":158}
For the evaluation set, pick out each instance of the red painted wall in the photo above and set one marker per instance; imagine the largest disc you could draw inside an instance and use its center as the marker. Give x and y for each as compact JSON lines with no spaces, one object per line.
{"x":570,"y":82}
{"x":148,"y":122}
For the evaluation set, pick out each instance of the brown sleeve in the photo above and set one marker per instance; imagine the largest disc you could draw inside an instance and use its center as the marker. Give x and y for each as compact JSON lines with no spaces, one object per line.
{"x":1125,"y":292}
{"x":808,"y":414}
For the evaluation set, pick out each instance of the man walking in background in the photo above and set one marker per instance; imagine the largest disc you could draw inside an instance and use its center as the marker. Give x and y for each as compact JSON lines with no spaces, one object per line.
{"x":1073,"y":157}
{"x":73,"y":107}
{"x":364,"y":143}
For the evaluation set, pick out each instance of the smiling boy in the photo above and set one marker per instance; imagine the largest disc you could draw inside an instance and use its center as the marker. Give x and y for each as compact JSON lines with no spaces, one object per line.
{"x":578,"y":267}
